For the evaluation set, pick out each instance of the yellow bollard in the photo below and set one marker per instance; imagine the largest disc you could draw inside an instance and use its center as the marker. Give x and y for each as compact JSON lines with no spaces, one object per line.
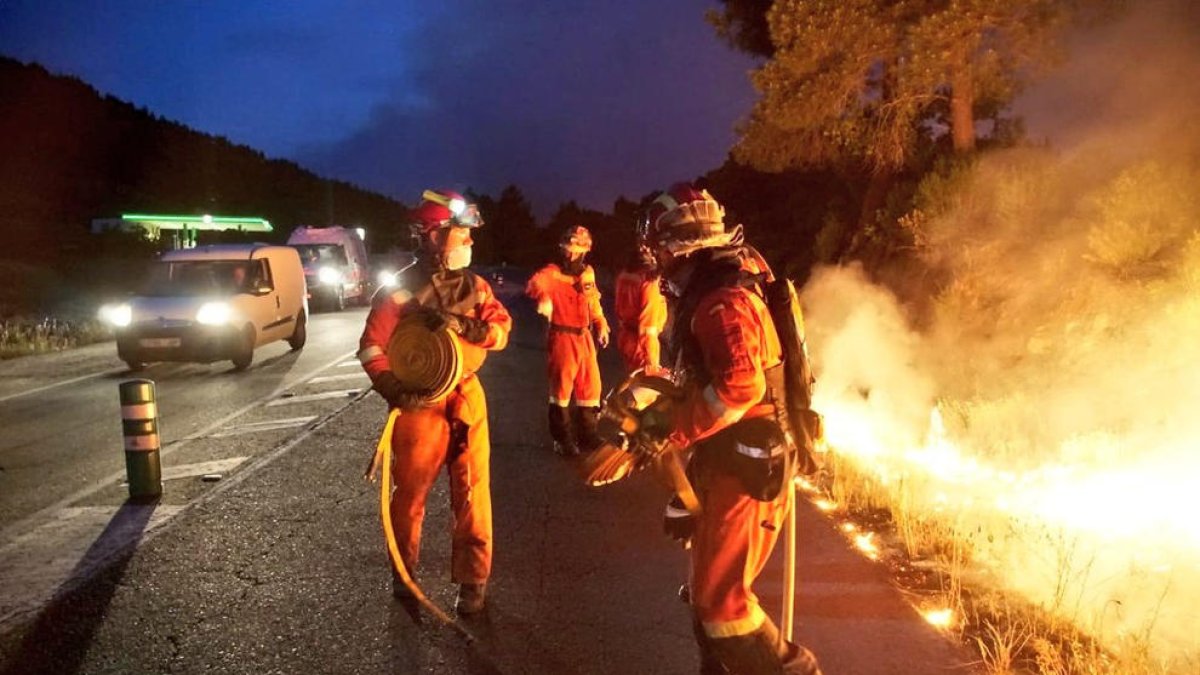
{"x":139,"y":422}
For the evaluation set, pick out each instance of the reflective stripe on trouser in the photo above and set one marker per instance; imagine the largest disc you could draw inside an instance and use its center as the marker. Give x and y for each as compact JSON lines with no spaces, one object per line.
{"x":631,"y":349}
{"x":421,"y":446}
{"x":571,"y":368}
{"x":729,"y":548}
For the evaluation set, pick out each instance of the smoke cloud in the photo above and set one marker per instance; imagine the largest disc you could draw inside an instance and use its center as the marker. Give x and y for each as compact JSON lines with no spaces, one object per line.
{"x":1059,"y":350}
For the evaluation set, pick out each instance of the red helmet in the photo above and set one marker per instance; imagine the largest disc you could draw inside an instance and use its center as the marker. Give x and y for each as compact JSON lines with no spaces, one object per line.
{"x":684,"y":219}
{"x":576,"y":239}
{"x":443,"y":208}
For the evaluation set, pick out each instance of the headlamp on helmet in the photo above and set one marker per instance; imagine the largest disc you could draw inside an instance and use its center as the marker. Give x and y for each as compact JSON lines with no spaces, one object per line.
{"x":443,"y":208}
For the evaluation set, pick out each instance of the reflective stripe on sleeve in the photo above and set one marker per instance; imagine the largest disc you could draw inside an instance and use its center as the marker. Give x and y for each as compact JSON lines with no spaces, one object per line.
{"x":588,"y":403}
{"x":718,"y":408}
{"x":368,"y":353}
{"x":559,"y":402}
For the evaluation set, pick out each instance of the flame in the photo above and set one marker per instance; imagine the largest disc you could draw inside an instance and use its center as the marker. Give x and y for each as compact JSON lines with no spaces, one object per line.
{"x":865,"y":542}
{"x":1098,"y":531}
{"x":939,"y":618}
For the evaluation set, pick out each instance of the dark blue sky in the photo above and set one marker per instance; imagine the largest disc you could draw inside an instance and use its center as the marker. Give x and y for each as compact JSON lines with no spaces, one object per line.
{"x":584,"y":100}
{"x":565,"y":99}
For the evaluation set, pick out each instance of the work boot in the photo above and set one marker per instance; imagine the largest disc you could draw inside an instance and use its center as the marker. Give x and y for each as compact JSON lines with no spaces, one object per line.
{"x":568,"y":449}
{"x":586,"y":421}
{"x":560,"y":431}
{"x":760,"y":652}
{"x":470,"y":598}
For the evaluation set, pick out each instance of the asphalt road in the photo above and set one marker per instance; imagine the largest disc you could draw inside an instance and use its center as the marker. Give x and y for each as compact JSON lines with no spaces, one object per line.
{"x":279,"y":567}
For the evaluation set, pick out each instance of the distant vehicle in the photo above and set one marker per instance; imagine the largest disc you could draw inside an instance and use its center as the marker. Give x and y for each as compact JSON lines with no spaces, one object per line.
{"x":389,"y":266}
{"x":335,"y":265}
{"x":211,"y":303}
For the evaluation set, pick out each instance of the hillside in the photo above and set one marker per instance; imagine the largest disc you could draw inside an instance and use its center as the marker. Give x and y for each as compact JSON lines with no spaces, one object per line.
{"x":72,"y":154}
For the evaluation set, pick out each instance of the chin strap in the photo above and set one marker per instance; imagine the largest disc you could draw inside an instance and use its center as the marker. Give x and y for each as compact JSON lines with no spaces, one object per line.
{"x":383,"y":460}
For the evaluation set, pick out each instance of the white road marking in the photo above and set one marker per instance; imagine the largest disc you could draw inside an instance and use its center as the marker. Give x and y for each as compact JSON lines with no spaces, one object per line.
{"x":36,"y":519}
{"x":340,"y":393}
{"x":348,"y":364}
{"x":221,"y":466}
{"x":335,"y":378}
{"x":81,"y":378}
{"x":67,"y":549}
{"x":269,"y":425}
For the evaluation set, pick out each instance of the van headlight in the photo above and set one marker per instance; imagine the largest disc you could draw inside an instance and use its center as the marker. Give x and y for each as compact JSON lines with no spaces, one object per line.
{"x":213,"y":314}
{"x":329,"y":275}
{"x":386,"y":279}
{"x":117,"y":315}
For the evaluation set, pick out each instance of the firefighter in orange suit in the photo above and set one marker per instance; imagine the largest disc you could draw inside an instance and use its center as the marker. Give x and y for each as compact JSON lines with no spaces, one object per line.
{"x":641,"y":312}
{"x":453,"y":431}
{"x":726,"y":354}
{"x":566,"y":294}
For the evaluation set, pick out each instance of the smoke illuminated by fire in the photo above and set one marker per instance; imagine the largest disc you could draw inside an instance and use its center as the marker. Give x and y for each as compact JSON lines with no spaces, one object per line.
{"x":1041,"y":406}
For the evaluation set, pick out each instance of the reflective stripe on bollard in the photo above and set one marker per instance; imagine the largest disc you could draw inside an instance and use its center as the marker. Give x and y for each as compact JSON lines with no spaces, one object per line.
{"x":139,"y":422}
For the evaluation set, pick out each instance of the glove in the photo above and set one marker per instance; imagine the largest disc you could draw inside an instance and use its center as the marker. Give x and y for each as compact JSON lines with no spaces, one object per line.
{"x":472,"y":330}
{"x":678,"y":522}
{"x":435,"y":320}
{"x":655,"y":423}
{"x":397,"y":395}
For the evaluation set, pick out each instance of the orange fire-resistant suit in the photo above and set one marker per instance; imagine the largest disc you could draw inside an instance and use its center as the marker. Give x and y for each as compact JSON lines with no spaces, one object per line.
{"x":452,"y":432}
{"x":641,"y":316}
{"x":571,"y":303}
{"x":726,"y":347}
{"x":573,"y":306}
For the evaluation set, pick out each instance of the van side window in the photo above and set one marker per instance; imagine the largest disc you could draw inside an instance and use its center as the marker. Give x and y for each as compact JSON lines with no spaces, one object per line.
{"x":261,"y":275}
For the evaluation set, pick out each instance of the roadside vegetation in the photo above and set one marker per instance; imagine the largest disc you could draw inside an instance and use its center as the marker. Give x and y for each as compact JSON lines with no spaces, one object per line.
{"x":1019,"y":444}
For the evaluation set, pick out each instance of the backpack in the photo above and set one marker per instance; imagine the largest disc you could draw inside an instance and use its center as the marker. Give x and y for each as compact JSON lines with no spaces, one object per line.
{"x":783,"y":304}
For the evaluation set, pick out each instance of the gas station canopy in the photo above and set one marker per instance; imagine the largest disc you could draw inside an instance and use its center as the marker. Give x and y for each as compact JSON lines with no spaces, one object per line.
{"x":186,"y":225}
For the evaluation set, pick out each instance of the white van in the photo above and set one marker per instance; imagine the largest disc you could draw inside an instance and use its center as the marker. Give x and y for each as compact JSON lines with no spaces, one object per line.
{"x":335,"y":262}
{"x":211,"y":303}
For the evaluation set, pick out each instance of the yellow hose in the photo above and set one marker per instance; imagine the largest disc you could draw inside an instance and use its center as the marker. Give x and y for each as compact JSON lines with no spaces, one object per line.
{"x":383,"y":460}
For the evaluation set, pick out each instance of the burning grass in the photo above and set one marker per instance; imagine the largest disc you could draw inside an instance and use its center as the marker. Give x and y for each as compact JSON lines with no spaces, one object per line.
{"x":1034,"y":441}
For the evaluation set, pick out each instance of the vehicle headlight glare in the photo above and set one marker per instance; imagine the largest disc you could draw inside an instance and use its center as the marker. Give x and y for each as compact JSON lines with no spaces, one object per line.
{"x":386,"y":279}
{"x":119,"y":316}
{"x":328,"y":275}
{"x":213,"y":314}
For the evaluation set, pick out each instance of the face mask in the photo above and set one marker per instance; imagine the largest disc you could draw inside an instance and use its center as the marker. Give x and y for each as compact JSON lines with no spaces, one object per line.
{"x":458,"y":257}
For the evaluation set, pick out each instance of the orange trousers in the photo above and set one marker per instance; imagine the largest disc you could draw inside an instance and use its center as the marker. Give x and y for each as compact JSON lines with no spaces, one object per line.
{"x":571,"y":367}
{"x":454,"y":433}
{"x":734,"y":537}
{"x":631,"y":349}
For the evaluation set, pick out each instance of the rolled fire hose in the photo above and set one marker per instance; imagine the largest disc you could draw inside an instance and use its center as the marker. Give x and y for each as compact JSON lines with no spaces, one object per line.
{"x":425,"y":360}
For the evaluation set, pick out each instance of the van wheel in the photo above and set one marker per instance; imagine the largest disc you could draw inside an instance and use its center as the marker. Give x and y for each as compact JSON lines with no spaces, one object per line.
{"x":245,"y":351}
{"x":135,"y":366}
{"x":339,"y":300}
{"x":300,"y":333}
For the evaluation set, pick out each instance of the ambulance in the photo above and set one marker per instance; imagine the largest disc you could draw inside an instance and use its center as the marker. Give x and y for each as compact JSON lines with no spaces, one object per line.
{"x":336,"y":267}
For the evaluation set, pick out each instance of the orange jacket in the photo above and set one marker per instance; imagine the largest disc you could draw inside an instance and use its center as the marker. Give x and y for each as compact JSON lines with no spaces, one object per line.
{"x":566,"y":300}
{"x":737,"y":342}
{"x":641,"y":310}
{"x":475,"y":300}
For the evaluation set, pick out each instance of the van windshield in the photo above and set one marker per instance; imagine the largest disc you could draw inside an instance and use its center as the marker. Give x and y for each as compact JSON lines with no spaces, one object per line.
{"x":321,"y":254}
{"x":197,"y":277}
